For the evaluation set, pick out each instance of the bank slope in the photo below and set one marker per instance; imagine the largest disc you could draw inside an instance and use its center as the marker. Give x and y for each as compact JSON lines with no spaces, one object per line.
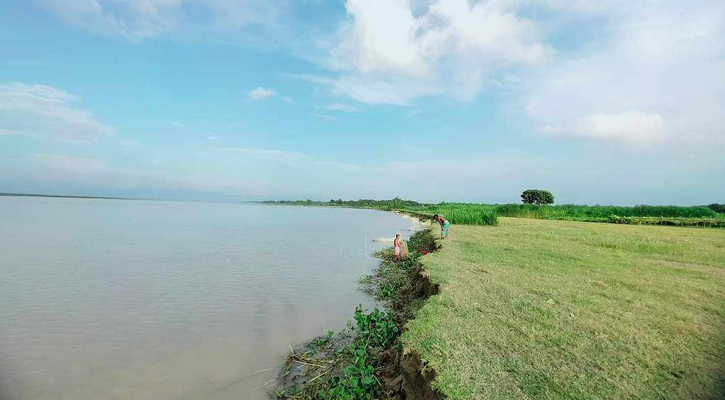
{"x":555,"y":309}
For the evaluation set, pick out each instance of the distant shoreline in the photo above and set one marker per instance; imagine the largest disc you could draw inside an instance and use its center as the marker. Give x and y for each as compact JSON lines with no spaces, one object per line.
{"x":66,"y":196}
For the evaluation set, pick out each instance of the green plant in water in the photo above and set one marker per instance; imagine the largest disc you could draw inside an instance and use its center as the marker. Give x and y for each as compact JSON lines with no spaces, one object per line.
{"x":376,"y":328}
{"x":358,"y":381}
{"x":324,"y":341}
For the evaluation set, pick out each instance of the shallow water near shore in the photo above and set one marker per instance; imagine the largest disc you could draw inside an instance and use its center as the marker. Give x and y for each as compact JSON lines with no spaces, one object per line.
{"x":113,"y":299}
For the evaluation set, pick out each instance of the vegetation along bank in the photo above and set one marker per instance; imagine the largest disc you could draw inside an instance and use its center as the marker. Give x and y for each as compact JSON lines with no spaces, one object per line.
{"x":535,"y":308}
{"x":486,"y":214}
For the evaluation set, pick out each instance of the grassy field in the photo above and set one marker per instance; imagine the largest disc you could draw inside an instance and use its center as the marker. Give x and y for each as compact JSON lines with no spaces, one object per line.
{"x":570,"y":310}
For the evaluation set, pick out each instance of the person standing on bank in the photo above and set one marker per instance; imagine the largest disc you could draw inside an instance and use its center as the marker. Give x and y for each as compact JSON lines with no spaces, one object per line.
{"x":396,"y":245}
{"x":445,"y":225}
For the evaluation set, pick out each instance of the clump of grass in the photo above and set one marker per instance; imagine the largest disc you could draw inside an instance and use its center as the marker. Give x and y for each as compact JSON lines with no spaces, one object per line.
{"x":470,"y":216}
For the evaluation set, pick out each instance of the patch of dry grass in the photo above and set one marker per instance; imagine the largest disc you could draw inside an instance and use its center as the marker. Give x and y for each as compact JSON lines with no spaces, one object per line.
{"x":556,"y":309}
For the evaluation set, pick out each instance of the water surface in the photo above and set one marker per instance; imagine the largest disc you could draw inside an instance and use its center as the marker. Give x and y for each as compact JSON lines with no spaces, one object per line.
{"x":113,"y":299}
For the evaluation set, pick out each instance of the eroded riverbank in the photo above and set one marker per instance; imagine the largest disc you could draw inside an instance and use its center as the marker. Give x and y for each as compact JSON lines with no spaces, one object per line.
{"x":366,"y":360}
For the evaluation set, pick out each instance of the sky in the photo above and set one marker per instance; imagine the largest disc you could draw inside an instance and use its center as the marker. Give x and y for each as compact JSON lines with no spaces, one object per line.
{"x":606,"y":102}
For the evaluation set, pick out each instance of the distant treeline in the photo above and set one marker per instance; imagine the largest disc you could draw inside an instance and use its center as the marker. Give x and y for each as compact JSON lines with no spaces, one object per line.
{"x":486,"y":214}
{"x":387,"y":205}
{"x":65,"y":196}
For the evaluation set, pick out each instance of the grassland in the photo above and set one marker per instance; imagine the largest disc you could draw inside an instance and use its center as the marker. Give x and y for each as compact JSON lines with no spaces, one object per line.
{"x":568,"y":310}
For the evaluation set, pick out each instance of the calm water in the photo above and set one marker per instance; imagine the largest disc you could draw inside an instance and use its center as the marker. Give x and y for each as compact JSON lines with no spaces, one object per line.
{"x":104,"y":299}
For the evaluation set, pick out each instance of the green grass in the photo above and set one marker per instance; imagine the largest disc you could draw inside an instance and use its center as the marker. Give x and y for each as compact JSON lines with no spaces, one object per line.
{"x":469,"y":216}
{"x":486,"y":214}
{"x":568,"y":310}
{"x":670,"y":221}
{"x":570,"y":212}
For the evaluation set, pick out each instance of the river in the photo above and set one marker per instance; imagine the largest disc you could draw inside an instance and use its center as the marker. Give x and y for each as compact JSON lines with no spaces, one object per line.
{"x":131,"y":299}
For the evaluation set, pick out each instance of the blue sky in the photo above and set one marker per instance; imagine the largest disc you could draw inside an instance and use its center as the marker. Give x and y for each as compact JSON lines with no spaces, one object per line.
{"x":604,"y":102}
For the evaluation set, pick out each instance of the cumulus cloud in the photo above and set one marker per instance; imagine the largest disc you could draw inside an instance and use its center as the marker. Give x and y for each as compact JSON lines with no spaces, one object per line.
{"x":139,"y":19}
{"x":261,"y":93}
{"x":630,"y":126}
{"x":46,"y":111}
{"x":663,"y":59}
{"x":393,"y":51}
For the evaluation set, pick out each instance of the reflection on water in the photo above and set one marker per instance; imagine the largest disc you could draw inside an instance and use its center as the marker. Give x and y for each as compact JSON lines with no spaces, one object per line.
{"x":105,"y":299}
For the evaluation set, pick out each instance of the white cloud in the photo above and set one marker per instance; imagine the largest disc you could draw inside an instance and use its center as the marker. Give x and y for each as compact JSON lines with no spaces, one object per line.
{"x":12,"y":132}
{"x":139,"y":19}
{"x":72,"y":166}
{"x":93,"y":174}
{"x":287,"y":157}
{"x":393,"y":51}
{"x":261,"y":93}
{"x":47,"y":111}
{"x":322,"y":116}
{"x":291,"y":158}
{"x":130,"y":144}
{"x":178,"y":124}
{"x":341,"y":107}
{"x":630,"y":127}
{"x":665,"y":59}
